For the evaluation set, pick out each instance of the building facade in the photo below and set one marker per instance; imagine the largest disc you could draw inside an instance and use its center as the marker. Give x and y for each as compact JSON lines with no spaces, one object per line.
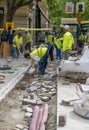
{"x":25,"y":17}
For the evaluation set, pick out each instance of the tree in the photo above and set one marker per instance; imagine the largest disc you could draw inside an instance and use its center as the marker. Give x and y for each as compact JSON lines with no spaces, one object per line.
{"x":13,"y":5}
{"x":57,"y":10}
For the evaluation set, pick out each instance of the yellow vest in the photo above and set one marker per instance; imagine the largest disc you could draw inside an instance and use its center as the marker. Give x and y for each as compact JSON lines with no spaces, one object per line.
{"x":81,"y":37}
{"x":40,"y":52}
{"x":28,"y":37}
{"x":50,"y":39}
{"x":68,"y":41}
{"x":17,"y":41}
{"x":61,"y":41}
{"x":58,"y":43}
{"x":88,"y":37}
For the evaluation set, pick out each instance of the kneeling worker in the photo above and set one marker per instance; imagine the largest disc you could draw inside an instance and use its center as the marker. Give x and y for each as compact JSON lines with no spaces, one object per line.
{"x":40,"y":56}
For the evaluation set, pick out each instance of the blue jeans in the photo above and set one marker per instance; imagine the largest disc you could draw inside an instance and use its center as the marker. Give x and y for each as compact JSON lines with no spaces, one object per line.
{"x":50,"y":48}
{"x":11,"y":50}
{"x":16,"y":52}
{"x":58,"y":53}
{"x":43,"y":63}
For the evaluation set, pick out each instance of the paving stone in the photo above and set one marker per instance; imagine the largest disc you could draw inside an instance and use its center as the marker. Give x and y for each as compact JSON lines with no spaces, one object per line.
{"x":52,"y":90}
{"x":29,"y":109}
{"x":19,"y":126}
{"x":12,"y":76}
{"x":52,"y":93}
{"x":39,"y":102}
{"x":44,"y":90}
{"x":25,"y":96}
{"x":45,"y":99}
{"x":31,"y":89}
{"x":32,"y":96}
{"x":23,"y":85}
{"x":28,"y":115}
{"x":29,"y":101}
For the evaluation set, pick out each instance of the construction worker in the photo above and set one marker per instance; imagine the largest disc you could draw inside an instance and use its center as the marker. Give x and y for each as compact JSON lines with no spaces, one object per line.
{"x":28,"y":40}
{"x":39,"y":56}
{"x":80,"y":42}
{"x":68,"y":42}
{"x":50,"y":40}
{"x":57,"y":45}
{"x":4,"y":43}
{"x":87,"y":38}
{"x":11,"y":37}
{"x":41,"y":37}
{"x":17,"y":42}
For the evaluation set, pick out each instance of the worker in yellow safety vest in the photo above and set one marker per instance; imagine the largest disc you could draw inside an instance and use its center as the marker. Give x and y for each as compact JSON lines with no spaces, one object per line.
{"x":50,"y":40}
{"x":58,"y":46}
{"x":17,"y":42}
{"x":68,"y":42}
{"x":39,"y":56}
{"x":80,"y":42}
{"x":87,"y":38}
{"x":28,"y":40}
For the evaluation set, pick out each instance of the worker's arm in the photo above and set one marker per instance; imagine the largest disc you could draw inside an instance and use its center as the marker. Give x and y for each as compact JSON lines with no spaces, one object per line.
{"x":34,"y":60}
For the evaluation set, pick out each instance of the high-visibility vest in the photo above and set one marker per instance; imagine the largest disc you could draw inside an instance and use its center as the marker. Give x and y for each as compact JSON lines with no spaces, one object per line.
{"x":81,"y":37}
{"x":28,"y":37}
{"x":17,"y":41}
{"x":40,"y":52}
{"x":68,"y":41}
{"x":58,"y":43}
{"x":88,"y":37}
{"x":50,"y":38}
{"x":61,"y":41}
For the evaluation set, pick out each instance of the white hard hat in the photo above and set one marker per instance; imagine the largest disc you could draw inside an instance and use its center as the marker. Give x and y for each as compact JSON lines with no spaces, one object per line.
{"x":66,"y":27}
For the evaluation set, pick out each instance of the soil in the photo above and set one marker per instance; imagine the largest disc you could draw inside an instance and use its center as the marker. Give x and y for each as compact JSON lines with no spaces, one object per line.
{"x":11,"y":112}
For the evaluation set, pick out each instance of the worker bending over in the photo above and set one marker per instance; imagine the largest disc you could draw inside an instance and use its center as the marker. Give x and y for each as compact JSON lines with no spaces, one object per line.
{"x":39,"y":56}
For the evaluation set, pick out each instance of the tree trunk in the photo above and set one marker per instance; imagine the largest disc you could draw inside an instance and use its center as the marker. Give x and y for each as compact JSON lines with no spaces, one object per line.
{"x":10,"y":15}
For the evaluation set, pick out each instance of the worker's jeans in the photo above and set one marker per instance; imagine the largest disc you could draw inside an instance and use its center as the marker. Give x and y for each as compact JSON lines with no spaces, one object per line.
{"x":28,"y":46}
{"x":16,"y":52}
{"x":43,"y":64}
{"x":50,"y":48}
{"x":11,"y":50}
{"x":58,"y":52}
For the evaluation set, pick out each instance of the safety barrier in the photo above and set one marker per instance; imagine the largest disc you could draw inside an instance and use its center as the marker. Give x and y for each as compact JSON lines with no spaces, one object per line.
{"x":30,"y":29}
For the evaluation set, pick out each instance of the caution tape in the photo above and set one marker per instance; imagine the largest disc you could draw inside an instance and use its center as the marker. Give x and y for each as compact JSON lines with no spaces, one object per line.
{"x":31,"y":29}
{"x":34,"y":29}
{"x":1,"y":29}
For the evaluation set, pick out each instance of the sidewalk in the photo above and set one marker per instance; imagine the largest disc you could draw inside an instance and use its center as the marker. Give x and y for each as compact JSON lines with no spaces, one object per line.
{"x":73,"y":121}
{"x":13,"y":75}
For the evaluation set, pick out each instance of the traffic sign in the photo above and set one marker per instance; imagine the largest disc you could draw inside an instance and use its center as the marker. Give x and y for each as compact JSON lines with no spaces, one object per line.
{"x":9,"y":25}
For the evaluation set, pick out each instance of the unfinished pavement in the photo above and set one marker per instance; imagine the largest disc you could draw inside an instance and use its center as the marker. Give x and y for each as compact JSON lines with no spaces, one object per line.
{"x":67,"y":91}
{"x":15,"y":117}
{"x":12,"y":76}
{"x":18,"y":68}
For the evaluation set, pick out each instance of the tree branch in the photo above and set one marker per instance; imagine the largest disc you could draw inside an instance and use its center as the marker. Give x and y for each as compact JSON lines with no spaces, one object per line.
{"x":21,"y":3}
